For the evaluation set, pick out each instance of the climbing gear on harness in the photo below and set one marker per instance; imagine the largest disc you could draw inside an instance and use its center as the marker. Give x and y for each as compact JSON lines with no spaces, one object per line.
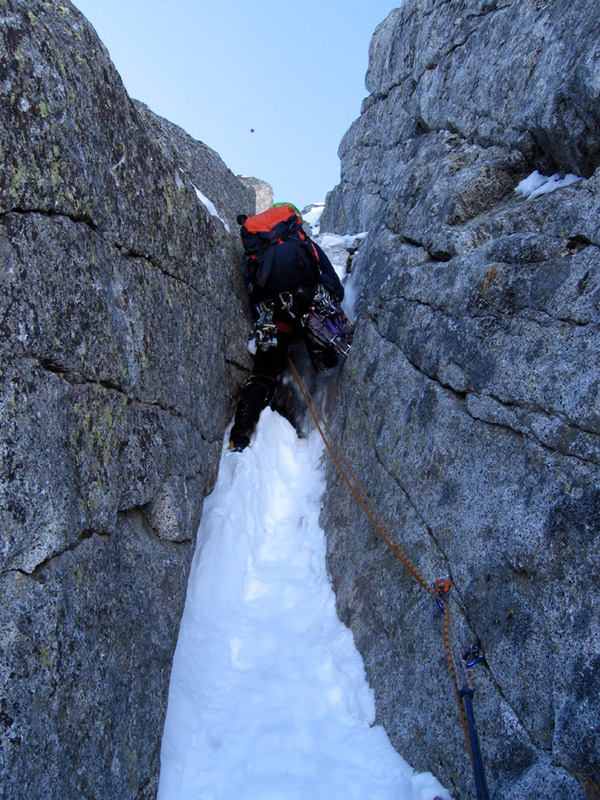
{"x":287,"y":302}
{"x":437,"y":591}
{"x":327,"y":325}
{"x":265,"y":330}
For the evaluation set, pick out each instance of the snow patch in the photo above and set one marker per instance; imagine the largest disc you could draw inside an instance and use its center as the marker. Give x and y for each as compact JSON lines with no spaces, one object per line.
{"x":331,"y":240}
{"x":268,"y":697}
{"x":338,"y":249}
{"x":536,"y":184}
{"x":312,"y":214}
{"x":210,"y":206}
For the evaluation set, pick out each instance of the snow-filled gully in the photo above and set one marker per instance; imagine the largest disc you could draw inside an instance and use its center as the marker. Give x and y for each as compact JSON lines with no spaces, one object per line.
{"x":268,"y":697}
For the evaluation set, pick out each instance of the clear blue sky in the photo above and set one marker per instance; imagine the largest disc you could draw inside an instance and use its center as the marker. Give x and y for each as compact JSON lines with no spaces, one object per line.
{"x":271,"y":86}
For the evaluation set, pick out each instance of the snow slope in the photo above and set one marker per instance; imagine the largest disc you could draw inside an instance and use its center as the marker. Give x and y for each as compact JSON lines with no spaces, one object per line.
{"x":268,"y":697}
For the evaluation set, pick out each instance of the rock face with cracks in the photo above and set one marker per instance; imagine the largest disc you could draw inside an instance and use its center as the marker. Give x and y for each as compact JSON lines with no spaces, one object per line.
{"x":470,"y":402}
{"x":121,"y":356}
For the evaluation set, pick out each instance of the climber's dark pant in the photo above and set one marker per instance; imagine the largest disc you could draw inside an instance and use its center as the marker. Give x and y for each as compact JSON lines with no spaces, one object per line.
{"x":260,"y":386}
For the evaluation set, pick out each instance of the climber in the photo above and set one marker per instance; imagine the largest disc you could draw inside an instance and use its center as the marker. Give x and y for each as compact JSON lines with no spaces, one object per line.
{"x":293,"y":290}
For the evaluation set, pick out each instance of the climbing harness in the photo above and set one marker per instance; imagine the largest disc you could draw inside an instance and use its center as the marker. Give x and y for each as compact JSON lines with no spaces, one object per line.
{"x":438,"y":590}
{"x":325,"y":323}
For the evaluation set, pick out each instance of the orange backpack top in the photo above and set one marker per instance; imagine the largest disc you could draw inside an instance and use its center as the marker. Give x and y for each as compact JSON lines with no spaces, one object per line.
{"x":267,"y":220}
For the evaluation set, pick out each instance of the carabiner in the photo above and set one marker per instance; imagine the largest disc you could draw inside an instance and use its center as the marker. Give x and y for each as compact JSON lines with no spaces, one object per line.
{"x":477,"y":656}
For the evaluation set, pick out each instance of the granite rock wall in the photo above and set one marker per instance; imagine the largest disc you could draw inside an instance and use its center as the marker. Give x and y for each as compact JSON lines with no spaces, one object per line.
{"x":121,"y":357}
{"x":470,"y":402}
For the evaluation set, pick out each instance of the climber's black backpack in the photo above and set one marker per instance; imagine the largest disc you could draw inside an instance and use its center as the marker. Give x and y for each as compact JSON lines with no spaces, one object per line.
{"x":275,"y":238}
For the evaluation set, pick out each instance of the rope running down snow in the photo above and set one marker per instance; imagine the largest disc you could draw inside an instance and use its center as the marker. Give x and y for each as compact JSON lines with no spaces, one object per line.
{"x":374,"y":517}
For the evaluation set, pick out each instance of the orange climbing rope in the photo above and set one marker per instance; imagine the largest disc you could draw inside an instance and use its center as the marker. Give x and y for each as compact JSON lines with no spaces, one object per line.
{"x":438,"y":589}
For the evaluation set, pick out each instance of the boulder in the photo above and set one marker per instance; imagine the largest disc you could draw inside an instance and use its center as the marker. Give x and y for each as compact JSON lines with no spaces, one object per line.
{"x":262,"y":190}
